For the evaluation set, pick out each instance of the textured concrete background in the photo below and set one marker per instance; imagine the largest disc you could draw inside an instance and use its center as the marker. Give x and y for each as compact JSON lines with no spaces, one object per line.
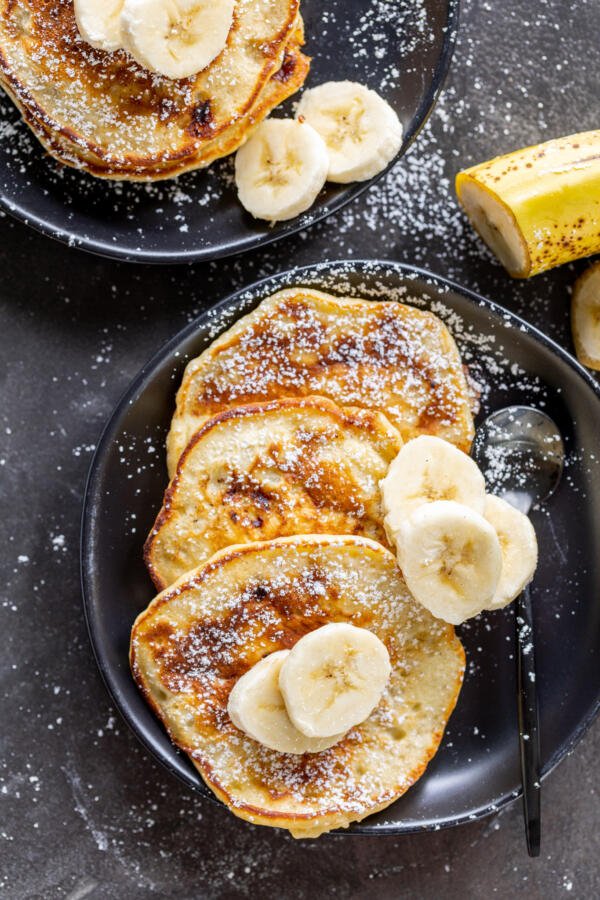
{"x":84,"y":812}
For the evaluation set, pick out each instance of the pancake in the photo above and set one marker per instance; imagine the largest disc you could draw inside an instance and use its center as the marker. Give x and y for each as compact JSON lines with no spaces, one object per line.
{"x":258,"y":472}
{"x":284,"y":83}
{"x":200,"y":635}
{"x":106,"y":114}
{"x":375,"y":355}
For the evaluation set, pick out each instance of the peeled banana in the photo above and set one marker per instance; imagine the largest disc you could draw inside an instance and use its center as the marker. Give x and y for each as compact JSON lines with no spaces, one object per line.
{"x":333,"y":678}
{"x":256,"y":707}
{"x":539,"y":207}
{"x":585,"y":317}
{"x":176,"y":38}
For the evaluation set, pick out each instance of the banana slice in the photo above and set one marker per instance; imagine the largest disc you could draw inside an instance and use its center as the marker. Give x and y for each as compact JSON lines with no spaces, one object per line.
{"x":426,"y":469}
{"x":176,"y":38}
{"x":99,"y":23}
{"x":451,"y":560}
{"x":519,"y":549}
{"x":281,"y":169}
{"x":361,"y":130}
{"x":256,"y":707}
{"x":333,"y":678}
{"x":585,"y":317}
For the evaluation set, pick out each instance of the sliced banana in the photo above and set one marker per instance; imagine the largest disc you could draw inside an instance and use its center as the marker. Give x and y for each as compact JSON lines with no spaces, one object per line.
{"x":333,"y":678}
{"x":176,"y":38}
{"x":361,"y":130}
{"x":256,"y":707}
{"x":99,"y":23}
{"x":426,"y":469}
{"x":519,"y":549}
{"x":585,"y":317}
{"x":451,"y":559}
{"x":281,"y":169}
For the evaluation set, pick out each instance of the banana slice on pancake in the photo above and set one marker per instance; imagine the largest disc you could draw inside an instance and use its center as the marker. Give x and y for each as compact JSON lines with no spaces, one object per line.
{"x":99,"y":23}
{"x":519,"y":549}
{"x":281,"y":169}
{"x":360,"y":129}
{"x":426,"y":469}
{"x":256,"y":706}
{"x":176,"y":38}
{"x":333,"y":678}
{"x":451,"y":560}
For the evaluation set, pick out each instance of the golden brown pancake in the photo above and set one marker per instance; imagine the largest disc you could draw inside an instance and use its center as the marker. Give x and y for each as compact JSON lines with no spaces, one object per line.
{"x":375,"y":355}
{"x":267,"y":470}
{"x":204,"y":632}
{"x":106,"y":114}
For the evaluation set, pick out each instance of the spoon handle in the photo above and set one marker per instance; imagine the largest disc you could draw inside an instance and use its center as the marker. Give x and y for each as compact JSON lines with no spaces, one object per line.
{"x":529,"y":736}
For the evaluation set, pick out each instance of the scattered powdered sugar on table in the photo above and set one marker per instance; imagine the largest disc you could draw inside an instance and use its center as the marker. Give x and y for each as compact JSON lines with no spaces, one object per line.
{"x":160,"y":839}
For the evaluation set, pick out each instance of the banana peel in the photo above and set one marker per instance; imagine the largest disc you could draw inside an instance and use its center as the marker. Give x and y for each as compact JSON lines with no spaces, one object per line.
{"x":538,"y":207}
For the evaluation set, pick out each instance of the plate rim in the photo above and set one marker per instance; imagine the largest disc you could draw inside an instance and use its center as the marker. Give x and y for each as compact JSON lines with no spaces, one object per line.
{"x":365,"y":266}
{"x":106,"y":250}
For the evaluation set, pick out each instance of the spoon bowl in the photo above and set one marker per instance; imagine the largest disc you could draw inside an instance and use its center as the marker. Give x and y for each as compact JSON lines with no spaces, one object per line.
{"x":521,"y":453}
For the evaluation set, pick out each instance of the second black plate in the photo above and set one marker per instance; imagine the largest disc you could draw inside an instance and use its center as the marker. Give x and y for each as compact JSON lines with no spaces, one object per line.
{"x":476,"y":769}
{"x":401,"y":48}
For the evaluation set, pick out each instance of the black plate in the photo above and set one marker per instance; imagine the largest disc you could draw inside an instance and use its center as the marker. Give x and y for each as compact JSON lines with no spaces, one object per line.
{"x":476,"y":770}
{"x":400,"y":47}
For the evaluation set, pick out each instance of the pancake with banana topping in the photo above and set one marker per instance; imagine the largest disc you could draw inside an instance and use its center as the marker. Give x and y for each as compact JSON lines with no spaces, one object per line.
{"x":268,"y":470}
{"x":198,"y":637}
{"x":102,"y":112}
{"x":376,"y":355}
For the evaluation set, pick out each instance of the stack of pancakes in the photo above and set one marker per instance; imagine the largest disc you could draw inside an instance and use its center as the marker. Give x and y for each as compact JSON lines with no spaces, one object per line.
{"x":104,"y":113}
{"x":272,"y":526}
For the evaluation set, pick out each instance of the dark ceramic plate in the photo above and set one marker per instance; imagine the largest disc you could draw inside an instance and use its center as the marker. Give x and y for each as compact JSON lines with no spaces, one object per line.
{"x":476,"y":770}
{"x":400,"y":47}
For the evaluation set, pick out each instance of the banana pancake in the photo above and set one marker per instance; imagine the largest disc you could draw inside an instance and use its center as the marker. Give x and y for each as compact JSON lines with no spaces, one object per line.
{"x":376,"y":355}
{"x":198,"y":637}
{"x":106,"y":114}
{"x":263,"y":471}
{"x":285,"y":82}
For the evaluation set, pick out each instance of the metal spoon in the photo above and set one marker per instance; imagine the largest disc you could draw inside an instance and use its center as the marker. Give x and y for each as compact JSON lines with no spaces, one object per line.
{"x":521,"y":453}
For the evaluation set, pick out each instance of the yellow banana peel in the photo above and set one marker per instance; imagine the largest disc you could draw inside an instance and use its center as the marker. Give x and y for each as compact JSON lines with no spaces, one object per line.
{"x":539,"y":207}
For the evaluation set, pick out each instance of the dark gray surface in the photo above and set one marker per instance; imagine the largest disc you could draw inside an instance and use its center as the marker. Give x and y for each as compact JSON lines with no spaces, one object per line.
{"x":83,"y":810}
